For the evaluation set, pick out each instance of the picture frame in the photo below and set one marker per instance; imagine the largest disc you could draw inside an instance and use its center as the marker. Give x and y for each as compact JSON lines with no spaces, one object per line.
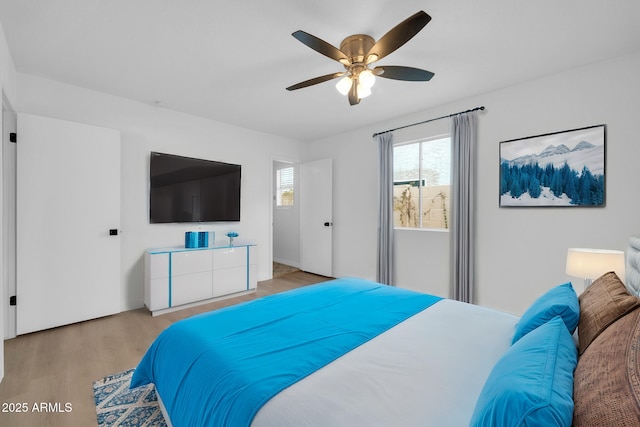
{"x":559,"y":169}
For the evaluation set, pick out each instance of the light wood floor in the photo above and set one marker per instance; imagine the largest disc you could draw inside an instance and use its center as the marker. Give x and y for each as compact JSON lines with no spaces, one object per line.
{"x":60,"y":365}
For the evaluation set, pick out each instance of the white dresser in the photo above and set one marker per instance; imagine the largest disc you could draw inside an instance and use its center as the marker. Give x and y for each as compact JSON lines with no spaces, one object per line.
{"x":179,"y":277}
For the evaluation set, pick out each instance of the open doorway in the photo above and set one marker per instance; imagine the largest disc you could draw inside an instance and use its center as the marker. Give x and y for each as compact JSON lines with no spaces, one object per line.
{"x":286,"y":218}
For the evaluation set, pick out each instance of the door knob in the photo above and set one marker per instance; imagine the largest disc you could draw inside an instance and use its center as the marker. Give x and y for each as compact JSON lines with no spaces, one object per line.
{"x":328,"y":224}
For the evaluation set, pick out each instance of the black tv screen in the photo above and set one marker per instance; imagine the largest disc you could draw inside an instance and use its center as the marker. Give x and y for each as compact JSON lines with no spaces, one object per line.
{"x":184,"y":189}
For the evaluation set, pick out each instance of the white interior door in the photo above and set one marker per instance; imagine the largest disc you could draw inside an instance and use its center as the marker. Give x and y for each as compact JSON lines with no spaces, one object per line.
{"x":68,"y":221}
{"x":316,"y":223}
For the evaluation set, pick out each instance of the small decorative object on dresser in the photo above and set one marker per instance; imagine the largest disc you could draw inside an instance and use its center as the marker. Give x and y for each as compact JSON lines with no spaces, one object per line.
{"x":199,"y":239}
{"x":232,"y":235}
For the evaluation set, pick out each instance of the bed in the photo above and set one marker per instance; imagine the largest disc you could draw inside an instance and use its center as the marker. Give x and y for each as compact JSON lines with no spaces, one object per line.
{"x":353,"y":352}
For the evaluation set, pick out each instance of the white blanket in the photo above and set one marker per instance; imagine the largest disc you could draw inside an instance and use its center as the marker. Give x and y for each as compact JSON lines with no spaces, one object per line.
{"x":427,"y":371}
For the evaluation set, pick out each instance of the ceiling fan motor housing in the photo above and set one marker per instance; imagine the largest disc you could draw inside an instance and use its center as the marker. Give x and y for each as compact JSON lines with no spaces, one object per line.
{"x":356,"y":47}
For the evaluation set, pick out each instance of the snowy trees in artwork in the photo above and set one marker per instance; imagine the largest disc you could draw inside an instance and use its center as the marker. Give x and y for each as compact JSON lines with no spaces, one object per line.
{"x":562,"y":169}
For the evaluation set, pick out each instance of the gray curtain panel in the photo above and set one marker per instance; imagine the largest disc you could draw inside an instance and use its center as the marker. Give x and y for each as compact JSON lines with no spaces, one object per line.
{"x":384,"y":272}
{"x":463,"y":140}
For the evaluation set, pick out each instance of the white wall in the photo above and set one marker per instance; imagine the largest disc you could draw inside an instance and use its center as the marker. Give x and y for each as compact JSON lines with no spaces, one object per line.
{"x":146,"y":128}
{"x":520,"y":252}
{"x":286,"y":223}
{"x":7,"y":71}
{"x":354,"y":201}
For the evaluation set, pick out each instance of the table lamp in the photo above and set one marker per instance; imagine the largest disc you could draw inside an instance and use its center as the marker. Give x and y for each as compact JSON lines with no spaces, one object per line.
{"x":589,"y":264}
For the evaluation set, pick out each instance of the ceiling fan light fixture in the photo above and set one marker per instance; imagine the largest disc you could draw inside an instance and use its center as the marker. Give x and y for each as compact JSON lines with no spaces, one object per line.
{"x":363,"y":91}
{"x":344,"y":85}
{"x":367,"y":79}
{"x":358,"y":51}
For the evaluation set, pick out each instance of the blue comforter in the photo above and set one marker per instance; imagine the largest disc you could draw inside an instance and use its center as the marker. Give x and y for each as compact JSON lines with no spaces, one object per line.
{"x":219,"y":368}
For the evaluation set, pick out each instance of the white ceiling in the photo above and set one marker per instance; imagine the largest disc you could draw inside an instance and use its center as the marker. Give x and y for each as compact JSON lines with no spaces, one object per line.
{"x":232,"y":60}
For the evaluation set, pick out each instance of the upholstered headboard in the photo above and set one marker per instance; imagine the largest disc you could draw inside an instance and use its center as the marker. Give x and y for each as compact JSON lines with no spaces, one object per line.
{"x":632,"y":270}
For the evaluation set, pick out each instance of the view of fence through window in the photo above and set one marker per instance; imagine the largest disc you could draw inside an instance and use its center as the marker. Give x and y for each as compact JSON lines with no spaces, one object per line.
{"x":284,"y":184}
{"x":422,"y":184}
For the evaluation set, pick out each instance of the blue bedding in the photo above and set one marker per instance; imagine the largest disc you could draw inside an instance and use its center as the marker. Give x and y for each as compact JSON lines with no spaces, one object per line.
{"x":220,"y":367}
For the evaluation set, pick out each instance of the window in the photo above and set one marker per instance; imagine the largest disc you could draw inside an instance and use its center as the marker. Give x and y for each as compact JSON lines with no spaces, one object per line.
{"x":422,"y":184}
{"x":284,"y":187}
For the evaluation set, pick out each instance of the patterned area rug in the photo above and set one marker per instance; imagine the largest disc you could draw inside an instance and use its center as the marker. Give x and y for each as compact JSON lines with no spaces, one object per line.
{"x":117,"y":405}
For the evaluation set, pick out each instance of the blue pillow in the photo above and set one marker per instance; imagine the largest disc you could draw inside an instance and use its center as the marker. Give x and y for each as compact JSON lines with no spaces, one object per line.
{"x":559,"y":301}
{"x":532,"y":383}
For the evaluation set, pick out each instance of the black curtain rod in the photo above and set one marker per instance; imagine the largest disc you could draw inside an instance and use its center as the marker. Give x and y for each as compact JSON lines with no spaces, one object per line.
{"x":430,"y":120}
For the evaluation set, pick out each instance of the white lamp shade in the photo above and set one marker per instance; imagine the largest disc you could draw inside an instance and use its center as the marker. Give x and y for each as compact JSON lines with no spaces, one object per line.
{"x":593,"y":263}
{"x":367,"y":79}
{"x":363,"y":91}
{"x":344,"y":85}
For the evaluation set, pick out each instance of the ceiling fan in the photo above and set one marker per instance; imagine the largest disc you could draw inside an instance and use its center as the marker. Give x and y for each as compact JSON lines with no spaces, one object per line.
{"x":358,"y":51}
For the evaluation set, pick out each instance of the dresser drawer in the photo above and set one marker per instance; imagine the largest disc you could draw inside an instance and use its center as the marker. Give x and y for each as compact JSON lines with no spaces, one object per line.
{"x":191,"y":287}
{"x":229,"y":280}
{"x":189,"y":262}
{"x":229,"y":257}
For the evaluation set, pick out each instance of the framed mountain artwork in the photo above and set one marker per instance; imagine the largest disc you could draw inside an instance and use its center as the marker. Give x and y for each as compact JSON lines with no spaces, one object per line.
{"x":556,"y":169}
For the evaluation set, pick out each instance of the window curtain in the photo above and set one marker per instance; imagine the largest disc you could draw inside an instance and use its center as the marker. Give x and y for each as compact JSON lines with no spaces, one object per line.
{"x":463,"y":140}
{"x":384,"y":272}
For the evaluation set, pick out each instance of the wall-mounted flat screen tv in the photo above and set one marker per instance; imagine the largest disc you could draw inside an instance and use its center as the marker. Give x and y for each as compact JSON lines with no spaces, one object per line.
{"x":184,"y":189}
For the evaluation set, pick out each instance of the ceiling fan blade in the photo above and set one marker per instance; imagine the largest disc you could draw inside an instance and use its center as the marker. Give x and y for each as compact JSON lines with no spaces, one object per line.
{"x":398,"y":35}
{"x":403,"y":73}
{"x":316,"y":80}
{"x":321,"y":46}
{"x":353,"y":94}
